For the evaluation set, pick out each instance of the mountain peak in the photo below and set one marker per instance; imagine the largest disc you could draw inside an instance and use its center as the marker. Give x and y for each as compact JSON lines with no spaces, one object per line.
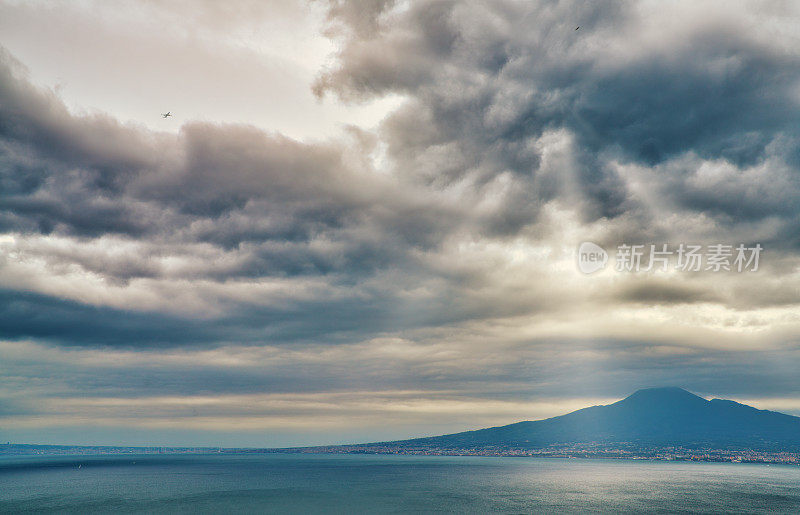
{"x":652,"y":417}
{"x":663,"y":397}
{"x":663,"y":392}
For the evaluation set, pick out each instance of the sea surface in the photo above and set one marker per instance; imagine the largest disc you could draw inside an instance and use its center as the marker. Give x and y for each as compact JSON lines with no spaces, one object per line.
{"x":291,"y":483}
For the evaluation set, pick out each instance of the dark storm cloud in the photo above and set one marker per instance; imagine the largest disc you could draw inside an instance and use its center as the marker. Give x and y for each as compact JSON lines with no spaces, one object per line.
{"x":509,"y":117}
{"x":39,"y":121}
{"x":27,"y":315}
{"x":65,"y":172}
{"x":225,"y":203}
{"x":225,"y":185}
{"x":486,"y":79}
{"x":665,"y":292}
{"x":54,"y":160}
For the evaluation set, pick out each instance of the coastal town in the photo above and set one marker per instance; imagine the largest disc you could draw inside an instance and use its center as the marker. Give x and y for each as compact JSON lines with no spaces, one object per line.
{"x":586,"y":451}
{"x":582,"y":451}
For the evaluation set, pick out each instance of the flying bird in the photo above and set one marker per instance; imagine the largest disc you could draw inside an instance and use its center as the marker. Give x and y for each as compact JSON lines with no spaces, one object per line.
{"x":166,"y":115}
{"x":576,"y":28}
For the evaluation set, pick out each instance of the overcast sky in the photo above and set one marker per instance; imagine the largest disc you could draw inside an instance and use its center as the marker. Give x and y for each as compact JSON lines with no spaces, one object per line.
{"x":361,"y":221}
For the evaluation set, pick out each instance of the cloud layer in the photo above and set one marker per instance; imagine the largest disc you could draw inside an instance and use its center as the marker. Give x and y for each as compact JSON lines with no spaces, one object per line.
{"x":227,"y":265}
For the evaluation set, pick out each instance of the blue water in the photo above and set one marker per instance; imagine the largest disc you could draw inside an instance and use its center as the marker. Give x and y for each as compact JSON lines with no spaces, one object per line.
{"x":387,"y":484}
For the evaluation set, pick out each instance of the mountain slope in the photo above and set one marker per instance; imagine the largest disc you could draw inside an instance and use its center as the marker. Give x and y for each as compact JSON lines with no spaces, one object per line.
{"x":655,"y":416}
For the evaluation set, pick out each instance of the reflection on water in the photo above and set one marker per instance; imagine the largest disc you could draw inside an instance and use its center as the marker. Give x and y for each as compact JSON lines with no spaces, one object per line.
{"x":388,"y":484}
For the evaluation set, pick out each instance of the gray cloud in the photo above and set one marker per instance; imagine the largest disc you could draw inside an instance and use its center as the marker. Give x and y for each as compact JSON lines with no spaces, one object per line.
{"x":486,"y":80}
{"x":431,"y":254}
{"x":665,"y":292}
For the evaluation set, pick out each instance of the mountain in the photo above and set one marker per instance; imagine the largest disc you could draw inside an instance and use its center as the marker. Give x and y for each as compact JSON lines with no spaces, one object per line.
{"x":656,"y":417}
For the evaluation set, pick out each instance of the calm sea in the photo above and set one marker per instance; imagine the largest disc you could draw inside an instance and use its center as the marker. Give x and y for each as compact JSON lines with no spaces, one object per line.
{"x":388,"y":484}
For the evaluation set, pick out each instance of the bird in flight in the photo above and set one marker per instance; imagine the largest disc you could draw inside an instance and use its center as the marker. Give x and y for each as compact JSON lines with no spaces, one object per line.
{"x":576,"y":28}
{"x":166,"y":115}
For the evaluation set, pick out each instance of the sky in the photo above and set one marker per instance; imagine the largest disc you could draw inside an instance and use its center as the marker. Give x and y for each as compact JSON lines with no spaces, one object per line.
{"x":362,"y":220}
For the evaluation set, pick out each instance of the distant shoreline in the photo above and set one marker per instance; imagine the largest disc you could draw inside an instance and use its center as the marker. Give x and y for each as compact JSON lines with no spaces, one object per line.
{"x":654,"y":454}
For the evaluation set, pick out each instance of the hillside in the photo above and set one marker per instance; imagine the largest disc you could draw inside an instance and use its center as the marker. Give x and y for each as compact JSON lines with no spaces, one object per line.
{"x":657,"y":417}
